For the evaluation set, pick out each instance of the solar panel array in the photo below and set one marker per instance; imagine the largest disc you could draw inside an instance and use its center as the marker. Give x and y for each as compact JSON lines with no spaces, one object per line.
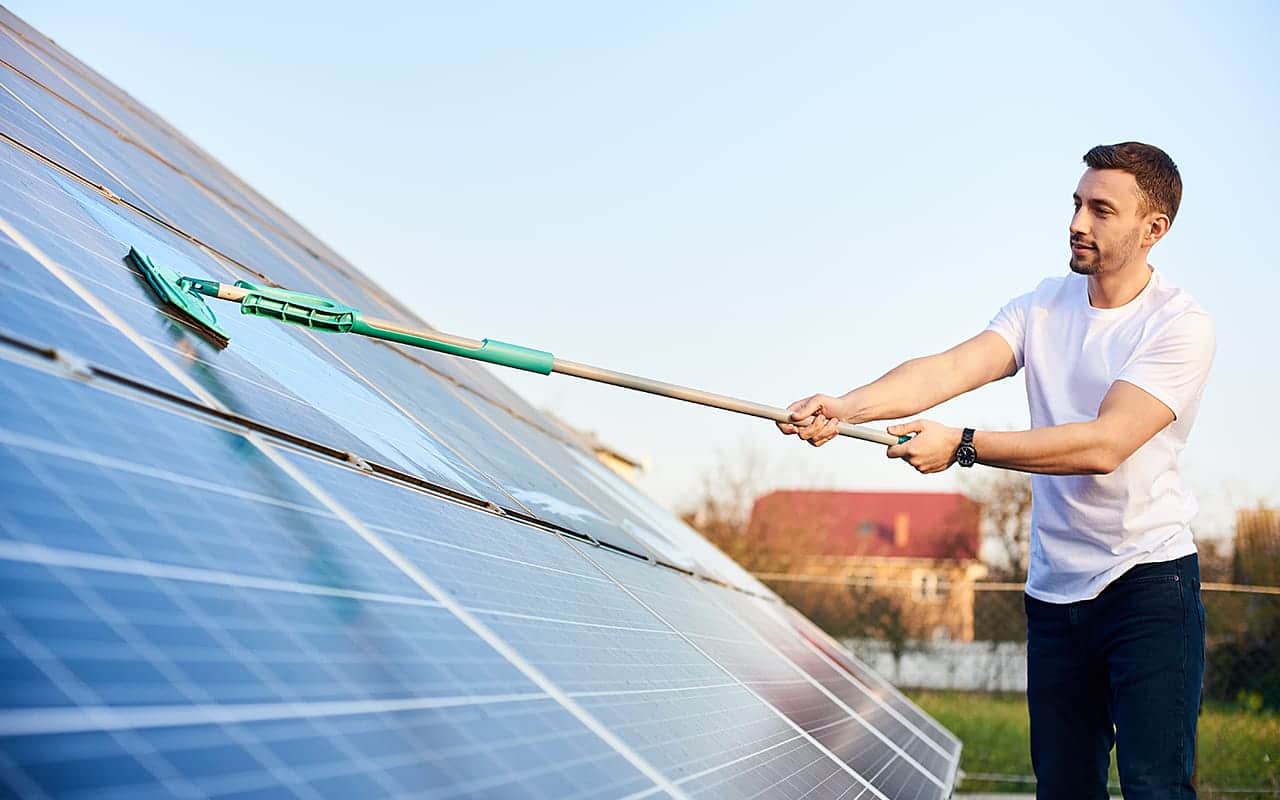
{"x":319,"y":566}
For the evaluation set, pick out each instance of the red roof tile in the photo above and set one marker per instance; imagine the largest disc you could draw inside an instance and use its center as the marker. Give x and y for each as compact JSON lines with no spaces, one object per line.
{"x":905,"y":524}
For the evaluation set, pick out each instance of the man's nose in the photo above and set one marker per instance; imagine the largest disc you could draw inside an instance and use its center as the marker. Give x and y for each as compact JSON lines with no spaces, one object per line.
{"x":1080,"y":222}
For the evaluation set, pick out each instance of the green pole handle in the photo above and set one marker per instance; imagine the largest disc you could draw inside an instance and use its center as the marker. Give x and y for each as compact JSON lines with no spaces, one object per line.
{"x":494,"y":352}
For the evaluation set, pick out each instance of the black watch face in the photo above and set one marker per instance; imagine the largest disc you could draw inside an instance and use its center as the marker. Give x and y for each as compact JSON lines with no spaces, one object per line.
{"x":966,"y":455}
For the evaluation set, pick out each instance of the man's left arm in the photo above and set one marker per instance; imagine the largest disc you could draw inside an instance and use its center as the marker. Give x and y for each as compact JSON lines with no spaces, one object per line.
{"x":1160,"y":382}
{"x":1127,"y":419}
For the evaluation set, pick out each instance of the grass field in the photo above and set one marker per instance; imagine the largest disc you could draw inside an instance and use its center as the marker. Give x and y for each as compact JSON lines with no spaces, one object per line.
{"x":1238,"y":749}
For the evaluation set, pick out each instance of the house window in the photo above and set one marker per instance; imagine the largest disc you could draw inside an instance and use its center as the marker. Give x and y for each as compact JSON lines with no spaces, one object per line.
{"x":924,"y":586}
{"x":866,"y":528}
{"x":862,"y":582}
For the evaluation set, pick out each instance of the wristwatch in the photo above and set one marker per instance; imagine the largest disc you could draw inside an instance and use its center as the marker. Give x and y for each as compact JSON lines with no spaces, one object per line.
{"x":966,"y":455}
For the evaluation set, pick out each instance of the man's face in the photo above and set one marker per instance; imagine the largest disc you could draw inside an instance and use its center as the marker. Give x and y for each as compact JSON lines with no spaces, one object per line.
{"x":1107,"y":225}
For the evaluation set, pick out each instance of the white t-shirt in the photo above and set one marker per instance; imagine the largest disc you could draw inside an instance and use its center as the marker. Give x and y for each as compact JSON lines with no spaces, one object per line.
{"x":1088,"y":530}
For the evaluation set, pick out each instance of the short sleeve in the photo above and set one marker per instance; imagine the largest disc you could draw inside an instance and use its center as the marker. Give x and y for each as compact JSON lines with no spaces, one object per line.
{"x":1010,"y":323}
{"x":1173,"y":365}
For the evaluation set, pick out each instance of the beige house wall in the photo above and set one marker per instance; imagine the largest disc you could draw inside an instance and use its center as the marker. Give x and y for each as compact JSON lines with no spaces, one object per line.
{"x":936,"y":595}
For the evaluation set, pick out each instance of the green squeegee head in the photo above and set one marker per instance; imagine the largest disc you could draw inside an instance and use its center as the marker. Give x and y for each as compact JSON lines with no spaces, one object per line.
{"x":308,"y":310}
{"x":176,"y":292}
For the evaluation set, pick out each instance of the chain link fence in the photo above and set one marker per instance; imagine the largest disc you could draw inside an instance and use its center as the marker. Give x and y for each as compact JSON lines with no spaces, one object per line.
{"x":975,"y":682}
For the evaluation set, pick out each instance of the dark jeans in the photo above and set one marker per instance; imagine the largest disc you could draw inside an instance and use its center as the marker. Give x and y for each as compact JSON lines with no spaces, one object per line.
{"x":1124,"y":668}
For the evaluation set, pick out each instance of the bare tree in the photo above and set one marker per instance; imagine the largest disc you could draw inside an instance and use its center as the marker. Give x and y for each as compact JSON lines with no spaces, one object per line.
{"x":1005,"y":496}
{"x":721,"y":509}
{"x":721,"y":512}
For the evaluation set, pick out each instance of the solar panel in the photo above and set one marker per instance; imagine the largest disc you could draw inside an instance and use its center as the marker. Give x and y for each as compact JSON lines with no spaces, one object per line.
{"x":317,"y":566}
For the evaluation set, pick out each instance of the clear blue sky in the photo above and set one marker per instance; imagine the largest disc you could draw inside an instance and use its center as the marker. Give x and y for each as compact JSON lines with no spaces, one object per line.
{"x":762,"y":199}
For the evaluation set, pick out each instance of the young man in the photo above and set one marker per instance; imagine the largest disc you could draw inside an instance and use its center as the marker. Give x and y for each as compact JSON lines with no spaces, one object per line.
{"x":1116,"y":360}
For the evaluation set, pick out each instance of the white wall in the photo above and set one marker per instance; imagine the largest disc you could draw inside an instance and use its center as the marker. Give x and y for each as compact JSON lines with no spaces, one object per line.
{"x":968,"y":666}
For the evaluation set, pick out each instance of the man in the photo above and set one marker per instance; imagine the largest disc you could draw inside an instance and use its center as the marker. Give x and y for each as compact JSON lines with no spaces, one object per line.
{"x":1116,"y":359}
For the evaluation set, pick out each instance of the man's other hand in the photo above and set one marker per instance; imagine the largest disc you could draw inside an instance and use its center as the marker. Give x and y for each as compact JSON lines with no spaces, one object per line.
{"x":932,"y":449}
{"x":826,"y":411}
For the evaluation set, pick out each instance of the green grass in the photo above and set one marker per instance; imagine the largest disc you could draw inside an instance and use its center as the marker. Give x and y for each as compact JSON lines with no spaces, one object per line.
{"x":1237,"y":748}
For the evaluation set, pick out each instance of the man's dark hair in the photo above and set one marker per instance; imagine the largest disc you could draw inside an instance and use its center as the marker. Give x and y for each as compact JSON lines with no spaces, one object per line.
{"x":1159,"y":183}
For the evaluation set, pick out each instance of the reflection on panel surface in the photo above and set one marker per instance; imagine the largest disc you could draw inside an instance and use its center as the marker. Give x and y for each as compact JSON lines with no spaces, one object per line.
{"x":726,"y":626}
{"x":846,"y":662}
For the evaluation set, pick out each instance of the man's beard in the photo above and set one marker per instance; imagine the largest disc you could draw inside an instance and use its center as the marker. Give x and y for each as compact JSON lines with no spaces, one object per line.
{"x":1088,"y":264}
{"x":1093,"y":262}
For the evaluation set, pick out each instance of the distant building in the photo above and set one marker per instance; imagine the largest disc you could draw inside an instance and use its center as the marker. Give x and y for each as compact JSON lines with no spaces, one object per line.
{"x":918,"y":548}
{"x":624,"y":465}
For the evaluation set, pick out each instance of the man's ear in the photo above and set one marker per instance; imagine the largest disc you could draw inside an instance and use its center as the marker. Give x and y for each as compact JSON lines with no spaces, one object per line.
{"x":1155,"y":227}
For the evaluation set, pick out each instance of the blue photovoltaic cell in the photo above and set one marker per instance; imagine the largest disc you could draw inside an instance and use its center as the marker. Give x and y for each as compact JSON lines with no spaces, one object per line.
{"x":664,"y":532}
{"x":613,"y":647}
{"x":19,"y":123}
{"x":597,"y":508}
{"x":576,"y":625}
{"x":37,"y":307}
{"x":519,"y":748}
{"x":707,"y":617}
{"x":175,"y":604}
{"x":190,"y":611}
{"x":877,"y":684}
{"x":484,"y":442}
{"x":871,"y":704}
{"x":527,"y":583}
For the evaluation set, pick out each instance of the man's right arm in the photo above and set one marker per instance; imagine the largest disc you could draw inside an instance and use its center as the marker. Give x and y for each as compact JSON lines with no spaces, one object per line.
{"x":922,"y":383}
{"x":909,"y":388}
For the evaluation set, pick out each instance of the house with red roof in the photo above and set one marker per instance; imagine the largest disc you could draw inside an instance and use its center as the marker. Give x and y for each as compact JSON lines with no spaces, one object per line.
{"x":916,"y":550}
